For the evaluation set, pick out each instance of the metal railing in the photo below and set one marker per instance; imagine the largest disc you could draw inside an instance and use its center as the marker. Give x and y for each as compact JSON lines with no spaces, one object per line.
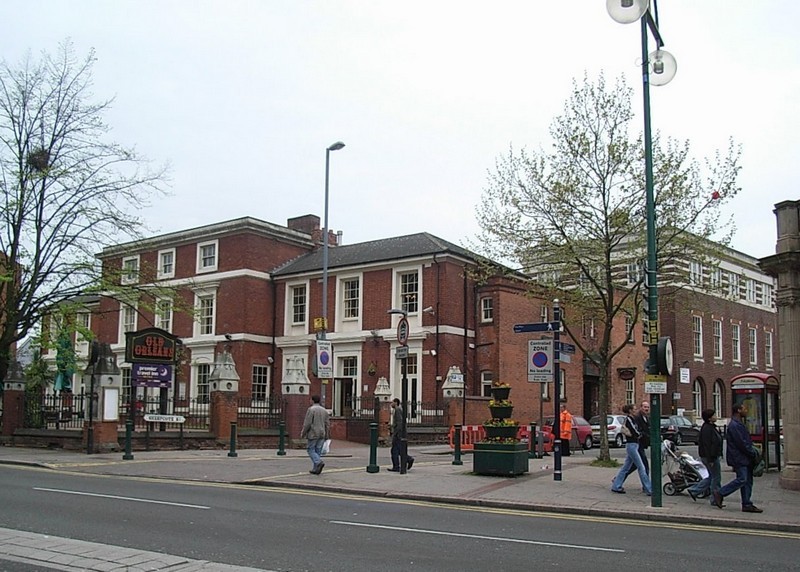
{"x":50,"y":411}
{"x":426,"y":413}
{"x":260,"y":414}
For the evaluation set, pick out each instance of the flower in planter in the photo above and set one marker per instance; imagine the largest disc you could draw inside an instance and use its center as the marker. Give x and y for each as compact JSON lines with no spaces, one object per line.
{"x":498,"y":383}
{"x":499,"y":403}
{"x":502,"y":440}
{"x":500,"y":423}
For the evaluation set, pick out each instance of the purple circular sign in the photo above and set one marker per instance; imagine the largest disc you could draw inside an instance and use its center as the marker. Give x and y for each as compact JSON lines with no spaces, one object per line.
{"x":539,"y":359}
{"x":324,"y":357}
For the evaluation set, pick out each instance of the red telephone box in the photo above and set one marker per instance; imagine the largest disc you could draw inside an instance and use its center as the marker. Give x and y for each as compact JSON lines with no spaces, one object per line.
{"x":760,"y":392}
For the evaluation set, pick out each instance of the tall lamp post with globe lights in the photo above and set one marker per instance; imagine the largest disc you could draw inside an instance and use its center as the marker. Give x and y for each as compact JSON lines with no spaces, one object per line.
{"x":658,"y":68}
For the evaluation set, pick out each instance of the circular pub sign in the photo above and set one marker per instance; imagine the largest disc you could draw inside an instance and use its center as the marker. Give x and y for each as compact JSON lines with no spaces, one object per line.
{"x":402,"y":331}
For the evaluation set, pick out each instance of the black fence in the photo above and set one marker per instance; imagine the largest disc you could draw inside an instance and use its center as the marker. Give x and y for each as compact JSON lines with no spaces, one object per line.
{"x":426,"y":413}
{"x":49,"y":411}
{"x":260,"y":414}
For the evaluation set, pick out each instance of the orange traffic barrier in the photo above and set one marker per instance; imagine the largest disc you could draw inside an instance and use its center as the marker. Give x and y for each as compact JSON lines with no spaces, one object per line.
{"x":470,"y":434}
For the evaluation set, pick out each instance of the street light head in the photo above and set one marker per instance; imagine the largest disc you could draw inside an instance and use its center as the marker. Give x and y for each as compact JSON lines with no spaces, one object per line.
{"x":626,"y":11}
{"x":336,"y":146}
{"x":663,"y":67}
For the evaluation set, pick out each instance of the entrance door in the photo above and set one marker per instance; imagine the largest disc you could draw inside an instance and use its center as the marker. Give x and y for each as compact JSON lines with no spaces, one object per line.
{"x":343,"y":396}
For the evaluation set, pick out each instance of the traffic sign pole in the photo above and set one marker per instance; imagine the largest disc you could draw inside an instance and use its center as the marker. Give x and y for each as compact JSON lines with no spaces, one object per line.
{"x":557,"y":389}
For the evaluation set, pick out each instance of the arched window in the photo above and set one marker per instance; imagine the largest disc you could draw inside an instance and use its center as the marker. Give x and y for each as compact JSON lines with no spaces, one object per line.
{"x":697,"y":395}
{"x":718,"y":396}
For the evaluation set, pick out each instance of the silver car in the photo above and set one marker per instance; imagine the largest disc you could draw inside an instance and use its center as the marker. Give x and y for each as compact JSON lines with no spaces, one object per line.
{"x":614,"y":428}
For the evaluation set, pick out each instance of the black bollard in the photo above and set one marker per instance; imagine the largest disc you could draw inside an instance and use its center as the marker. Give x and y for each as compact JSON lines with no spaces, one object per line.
{"x":281,"y":438}
{"x":457,"y":459}
{"x":232,"y":452}
{"x":532,"y":454}
{"x":128,"y":456}
{"x":373,"y":449}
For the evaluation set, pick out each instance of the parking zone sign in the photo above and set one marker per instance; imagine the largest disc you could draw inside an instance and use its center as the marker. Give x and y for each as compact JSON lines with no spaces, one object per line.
{"x":540,"y":361}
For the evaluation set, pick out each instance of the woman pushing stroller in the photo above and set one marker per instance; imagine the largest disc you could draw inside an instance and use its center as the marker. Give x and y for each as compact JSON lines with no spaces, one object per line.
{"x":632,"y":433}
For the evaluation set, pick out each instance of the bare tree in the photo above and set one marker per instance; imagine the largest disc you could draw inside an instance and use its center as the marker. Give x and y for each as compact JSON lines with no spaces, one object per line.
{"x":574,"y":217}
{"x":66,"y":191}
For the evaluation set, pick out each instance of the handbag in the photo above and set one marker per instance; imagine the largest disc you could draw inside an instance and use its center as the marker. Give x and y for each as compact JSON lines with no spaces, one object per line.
{"x":625,"y":430}
{"x":758,"y":470}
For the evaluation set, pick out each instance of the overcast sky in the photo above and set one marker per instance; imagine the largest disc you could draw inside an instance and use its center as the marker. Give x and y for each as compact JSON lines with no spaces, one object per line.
{"x":243,"y":97}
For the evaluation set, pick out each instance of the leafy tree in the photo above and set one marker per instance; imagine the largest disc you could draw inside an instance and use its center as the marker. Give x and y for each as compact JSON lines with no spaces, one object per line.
{"x":66,"y":190}
{"x":574,"y":218}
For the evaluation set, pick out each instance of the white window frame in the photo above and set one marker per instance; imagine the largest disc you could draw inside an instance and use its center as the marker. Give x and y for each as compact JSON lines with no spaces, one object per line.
{"x":766,"y":295}
{"x":128,"y":316}
{"x":715,"y":279}
{"x":716,"y":396}
{"x":750,"y":290}
{"x":202,"y":265}
{"x":717,"y":336}
{"x":350,"y":312}
{"x":161,"y":274}
{"x":201,"y":386}
{"x":200,"y":322}
{"x":734,"y":286}
{"x":84,"y":321}
{"x":409,"y":301}
{"x":736,"y":343}
{"x":629,"y":330}
{"x":752,"y":345}
{"x":697,"y":335}
{"x":130,"y":272}
{"x":767,"y":348}
{"x":695,"y":273}
{"x":487,"y":377}
{"x":261,"y":380}
{"x":163,"y":319}
{"x":630,"y":390}
{"x":697,"y":395}
{"x":487,"y":309}
{"x":292,"y":304}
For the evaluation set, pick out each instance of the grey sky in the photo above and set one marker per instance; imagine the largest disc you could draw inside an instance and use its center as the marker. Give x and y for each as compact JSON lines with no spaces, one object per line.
{"x":243,"y":97}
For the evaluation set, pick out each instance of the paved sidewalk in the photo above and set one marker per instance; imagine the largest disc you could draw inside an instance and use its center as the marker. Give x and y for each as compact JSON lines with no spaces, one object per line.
{"x":583,"y":489}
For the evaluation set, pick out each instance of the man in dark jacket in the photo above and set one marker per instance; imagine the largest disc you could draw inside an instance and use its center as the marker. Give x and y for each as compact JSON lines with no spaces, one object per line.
{"x":397,"y":426}
{"x":709,"y":450}
{"x":740,"y":454}
{"x":643,"y":423}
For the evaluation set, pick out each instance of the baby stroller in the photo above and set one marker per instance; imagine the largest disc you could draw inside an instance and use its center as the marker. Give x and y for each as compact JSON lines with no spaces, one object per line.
{"x":683,"y":470}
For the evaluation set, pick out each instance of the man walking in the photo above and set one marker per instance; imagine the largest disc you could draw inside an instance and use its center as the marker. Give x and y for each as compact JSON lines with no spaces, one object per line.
{"x":316,"y":428}
{"x":740,"y":455}
{"x":643,"y":422}
{"x":397,"y":425}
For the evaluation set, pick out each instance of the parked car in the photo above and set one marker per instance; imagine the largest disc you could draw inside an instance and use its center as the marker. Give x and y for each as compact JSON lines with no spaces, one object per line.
{"x":579,"y":425}
{"x":614,"y":425}
{"x":679,"y":430}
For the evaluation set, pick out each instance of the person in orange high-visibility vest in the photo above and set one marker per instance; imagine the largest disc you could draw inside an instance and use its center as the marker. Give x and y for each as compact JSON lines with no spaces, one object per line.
{"x":566,"y":430}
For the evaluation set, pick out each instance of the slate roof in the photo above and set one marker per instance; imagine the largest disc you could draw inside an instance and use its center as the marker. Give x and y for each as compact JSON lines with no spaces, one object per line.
{"x":383,"y":250}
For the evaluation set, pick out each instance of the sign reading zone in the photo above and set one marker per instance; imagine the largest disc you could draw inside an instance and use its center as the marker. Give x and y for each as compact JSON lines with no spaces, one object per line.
{"x":540,"y":361}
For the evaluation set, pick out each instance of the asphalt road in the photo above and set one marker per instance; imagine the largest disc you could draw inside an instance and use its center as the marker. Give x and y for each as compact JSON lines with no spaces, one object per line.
{"x":304,"y":530}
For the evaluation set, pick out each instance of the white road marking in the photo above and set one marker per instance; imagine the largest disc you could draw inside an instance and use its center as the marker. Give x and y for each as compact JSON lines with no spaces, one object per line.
{"x":134,"y":499}
{"x":473,"y":536}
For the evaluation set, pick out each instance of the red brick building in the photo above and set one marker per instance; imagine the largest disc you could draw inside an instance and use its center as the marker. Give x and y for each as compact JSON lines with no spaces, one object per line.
{"x":257,"y":287}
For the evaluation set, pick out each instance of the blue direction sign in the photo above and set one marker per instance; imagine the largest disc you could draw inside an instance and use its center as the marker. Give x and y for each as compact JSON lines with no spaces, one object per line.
{"x":537,"y":327}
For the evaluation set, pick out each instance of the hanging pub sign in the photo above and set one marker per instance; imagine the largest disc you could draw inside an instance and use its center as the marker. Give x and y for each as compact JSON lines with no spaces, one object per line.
{"x":151,"y":345}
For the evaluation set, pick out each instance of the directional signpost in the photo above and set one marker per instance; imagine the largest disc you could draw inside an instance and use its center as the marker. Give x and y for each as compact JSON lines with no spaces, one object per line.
{"x":543,"y":365}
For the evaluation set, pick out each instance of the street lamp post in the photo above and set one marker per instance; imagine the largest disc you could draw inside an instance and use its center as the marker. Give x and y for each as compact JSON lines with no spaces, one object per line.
{"x":663,"y":70}
{"x":324,"y":333}
{"x":402,"y":340}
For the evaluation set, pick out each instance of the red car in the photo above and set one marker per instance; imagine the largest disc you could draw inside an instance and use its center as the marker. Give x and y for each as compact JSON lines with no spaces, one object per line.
{"x":580,"y":427}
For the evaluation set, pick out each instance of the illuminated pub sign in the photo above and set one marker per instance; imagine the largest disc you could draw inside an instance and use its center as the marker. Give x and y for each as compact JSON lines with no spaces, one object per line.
{"x":151,"y":345}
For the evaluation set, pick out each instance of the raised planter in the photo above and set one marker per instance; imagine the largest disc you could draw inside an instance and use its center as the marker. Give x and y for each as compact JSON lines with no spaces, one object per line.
{"x":500,"y":459}
{"x":503,"y":432}
{"x":500,"y":393}
{"x":501,"y":412}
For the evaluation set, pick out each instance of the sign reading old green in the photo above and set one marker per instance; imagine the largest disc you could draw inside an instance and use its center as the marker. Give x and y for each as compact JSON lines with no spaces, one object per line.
{"x":151,"y":345}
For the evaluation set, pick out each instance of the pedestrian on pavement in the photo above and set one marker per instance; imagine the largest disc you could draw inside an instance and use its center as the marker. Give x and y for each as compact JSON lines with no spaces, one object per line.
{"x":709,"y":449}
{"x":316,"y":428}
{"x":742,"y":456}
{"x":632,"y":432}
{"x":396,"y":428}
{"x":565,"y":423}
{"x":643,"y":421}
